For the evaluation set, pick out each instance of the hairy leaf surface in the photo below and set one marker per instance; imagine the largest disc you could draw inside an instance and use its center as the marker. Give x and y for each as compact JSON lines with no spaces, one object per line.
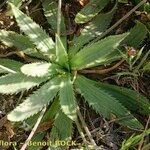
{"x":35,"y":102}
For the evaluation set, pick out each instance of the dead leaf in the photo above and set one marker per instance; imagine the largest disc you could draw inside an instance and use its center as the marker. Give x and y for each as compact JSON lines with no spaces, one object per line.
{"x":9,"y":128}
{"x":44,"y":126}
{"x":83,"y":2}
{"x":3,"y":121}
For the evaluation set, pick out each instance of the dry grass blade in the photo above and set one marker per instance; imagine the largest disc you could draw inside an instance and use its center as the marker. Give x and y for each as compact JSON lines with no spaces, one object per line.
{"x":34,"y":129}
{"x":142,"y":140}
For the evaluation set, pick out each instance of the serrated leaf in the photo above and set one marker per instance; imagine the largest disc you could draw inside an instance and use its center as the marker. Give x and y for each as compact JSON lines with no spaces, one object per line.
{"x":94,"y":28}
{"x":52,"y":111}
{"x":62,"y":128}
{"x":61,"y":54}
{"x":115,"y":55}
{"x":104,"y":103}
{"x":136,"y":36}
{"x":133,"y":140}
{"x":21,"y":42}
{"x":17,"y":82}
{"x":90,"y":10}
{"x":35,"y":102}
{"x":36,"y":138}
{"x":11,"y":38}
{"x":146,"y":67}
{"x":67,"y":98}
{"x":48,"y":116}
{"x":10,"y":66}
{"x":36,"y":34}
{"x":132,"y":100}
{"x":93,"y":55}
{"x":50,"y":8}
{"x":40,"y":69}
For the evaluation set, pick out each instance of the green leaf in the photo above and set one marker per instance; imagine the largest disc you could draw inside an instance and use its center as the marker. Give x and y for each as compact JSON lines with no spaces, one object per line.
{"x":52,"y":111}
{"x":133,"y":140}
{"x":43,"y":42}
{"x":123,"y":1}
{"x":94,"y":54}
{"x":11,"y":38}
{"x":36,"y":139}
{"x":94,"y":28}
{"x":67,"y":98}
{"x":147,"y":67}
{"x":17,"y":82}
{"x":147,"y":8}
{"x":141,"y":8}
{"x":17,"y":3}
{"x":132,"y":100}
{"x":40,"y":69}
{"x":113,"y":56}
{"x":62,"y":128}
{"x":61,"y":53}
{"x":50,"y":8}
{"x":90,"y":10}
{"x":104,"y":103}
{"x":137,"y":35}
{"x":3,"y":71}
{"x":35,"y":102}
{"x":48,"y":116}
{"x":9,"y":66}
{"x":21,"y":42}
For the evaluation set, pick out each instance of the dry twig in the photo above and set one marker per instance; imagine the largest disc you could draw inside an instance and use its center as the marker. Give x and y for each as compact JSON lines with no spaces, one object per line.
{"x":142,"y":140}
{"x":86,"y":128}
{"x":102,"y":71}
{"x":34,"y":129}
